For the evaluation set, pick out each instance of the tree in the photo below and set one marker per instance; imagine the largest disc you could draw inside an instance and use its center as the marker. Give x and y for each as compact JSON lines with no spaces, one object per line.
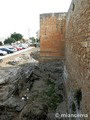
{"x":1,"y":43}
{"x":37,"y":40}
{"x":33,"y":39}
{"x":17,"y":36}
{"x":9,"y":40}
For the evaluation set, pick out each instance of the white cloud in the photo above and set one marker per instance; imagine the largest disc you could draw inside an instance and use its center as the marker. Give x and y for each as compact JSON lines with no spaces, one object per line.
{"x":19,"y":15}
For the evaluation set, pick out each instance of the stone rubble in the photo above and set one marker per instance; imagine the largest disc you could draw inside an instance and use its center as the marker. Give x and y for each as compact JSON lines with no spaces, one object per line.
{"x":27,"y":91}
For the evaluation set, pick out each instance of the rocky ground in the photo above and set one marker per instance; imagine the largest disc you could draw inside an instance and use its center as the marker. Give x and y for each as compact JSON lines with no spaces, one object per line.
{"x":31,"y":90}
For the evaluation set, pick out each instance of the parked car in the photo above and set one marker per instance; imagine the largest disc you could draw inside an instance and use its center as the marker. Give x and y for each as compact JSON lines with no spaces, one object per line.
{"x":2,"y":52}
{"x":18,"y":48}
{"x":23,"y":45}
{"x":7,"y":50}
{"x":13,"y":49}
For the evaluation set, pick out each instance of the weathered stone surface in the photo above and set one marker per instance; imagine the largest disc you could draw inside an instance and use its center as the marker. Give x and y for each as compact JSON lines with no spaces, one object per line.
{"x":52,"y":30}
{"x":77,"y":51}
{"x":16,"y":104}
{"x":34,"y":111}
{"x":25,"y":96}
{"x":7,"y":75}
{"x":12,"y":62}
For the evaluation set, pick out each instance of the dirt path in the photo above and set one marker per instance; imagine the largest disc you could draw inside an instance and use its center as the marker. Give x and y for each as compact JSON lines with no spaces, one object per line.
{"x":17,"y":58}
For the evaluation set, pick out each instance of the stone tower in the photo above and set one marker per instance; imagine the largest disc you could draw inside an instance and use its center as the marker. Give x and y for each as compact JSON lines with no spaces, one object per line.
{"x":52,"y":32}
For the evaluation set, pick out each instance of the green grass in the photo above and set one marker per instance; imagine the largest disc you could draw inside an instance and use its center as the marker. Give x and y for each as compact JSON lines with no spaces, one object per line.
{"x":53,"y":98}
{"x":49,"y":96}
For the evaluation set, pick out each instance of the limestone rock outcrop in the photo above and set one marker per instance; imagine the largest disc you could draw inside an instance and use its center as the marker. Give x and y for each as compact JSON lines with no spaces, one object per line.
{"x":31,"y":91}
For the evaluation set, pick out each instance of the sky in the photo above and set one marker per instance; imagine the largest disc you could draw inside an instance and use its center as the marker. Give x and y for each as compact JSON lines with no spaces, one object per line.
{"x":21,"y":16}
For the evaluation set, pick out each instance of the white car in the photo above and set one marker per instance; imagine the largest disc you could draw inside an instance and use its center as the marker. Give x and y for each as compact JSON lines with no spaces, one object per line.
{"x":23,"y":45}
{"x":2,"y":52}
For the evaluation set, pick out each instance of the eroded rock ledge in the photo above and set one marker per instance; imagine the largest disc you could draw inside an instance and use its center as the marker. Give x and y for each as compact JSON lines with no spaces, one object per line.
{"x":32,"y":91}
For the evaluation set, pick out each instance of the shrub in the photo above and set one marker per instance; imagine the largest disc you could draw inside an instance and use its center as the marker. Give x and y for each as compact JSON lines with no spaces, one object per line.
{"x":9,"y":41}
{"x":1,"y":44}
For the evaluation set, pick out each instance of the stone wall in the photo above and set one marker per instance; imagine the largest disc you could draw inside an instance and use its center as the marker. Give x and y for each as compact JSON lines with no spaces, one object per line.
{"x":52,"y":32}
{"x":77,"y":54}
